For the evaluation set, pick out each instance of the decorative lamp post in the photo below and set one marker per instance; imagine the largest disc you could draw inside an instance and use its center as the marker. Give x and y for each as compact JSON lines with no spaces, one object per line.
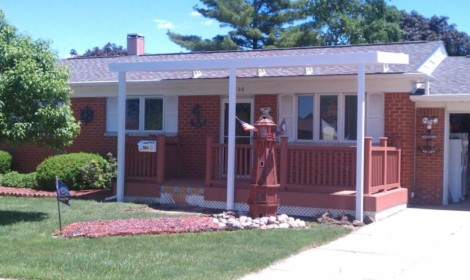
{"x":263,"y":200}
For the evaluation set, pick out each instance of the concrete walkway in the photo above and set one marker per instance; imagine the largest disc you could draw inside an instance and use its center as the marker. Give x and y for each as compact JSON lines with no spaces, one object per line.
{"x":413,"y":244}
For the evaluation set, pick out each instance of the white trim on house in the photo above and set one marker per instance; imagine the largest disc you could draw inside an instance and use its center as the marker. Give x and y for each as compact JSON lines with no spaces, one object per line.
{"x":359,"y":59}
{"x":254,"y":86}
{"x":374,"y":57}
{"x":433,"y":61}
{"x":441,"y":98}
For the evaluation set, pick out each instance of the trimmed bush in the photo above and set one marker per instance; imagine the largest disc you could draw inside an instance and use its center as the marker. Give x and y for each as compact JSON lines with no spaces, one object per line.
{"x":17,"y":180}
{"x":5,"y":162}
{"x":77,"y":170}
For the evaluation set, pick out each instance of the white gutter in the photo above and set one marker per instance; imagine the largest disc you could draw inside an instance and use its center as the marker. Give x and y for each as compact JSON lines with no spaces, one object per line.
{"x":110,"y":198}
{"x":375,"y":57}
{"x":441,"y":97}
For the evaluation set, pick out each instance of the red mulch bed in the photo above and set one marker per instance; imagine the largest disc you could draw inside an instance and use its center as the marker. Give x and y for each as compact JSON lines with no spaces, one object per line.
{"x":120,"y":227}
{"x":134,"y":226}
{"x":25,"y":192}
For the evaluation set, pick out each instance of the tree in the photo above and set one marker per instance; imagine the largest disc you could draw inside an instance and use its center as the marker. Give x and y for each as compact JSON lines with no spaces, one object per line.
{"x":254,"y":24}
{"x":110,"y":49}
{"x":419,"y":28}
{"x":196,"y":43}
{"x":34,"y":92}
{"x":342,"y":22}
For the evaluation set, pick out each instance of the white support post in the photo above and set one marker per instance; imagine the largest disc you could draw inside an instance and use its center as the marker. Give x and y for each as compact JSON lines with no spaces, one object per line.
{"x":232,"y":101}
{"x":361,"y":105}
{"x":121,"y":149}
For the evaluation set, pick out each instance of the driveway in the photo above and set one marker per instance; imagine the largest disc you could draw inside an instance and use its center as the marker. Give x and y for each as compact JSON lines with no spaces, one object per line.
{"x":413,"y":244}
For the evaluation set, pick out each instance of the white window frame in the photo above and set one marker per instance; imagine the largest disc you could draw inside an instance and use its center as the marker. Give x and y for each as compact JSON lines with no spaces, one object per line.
{"x":111,"y":114}
{"x":316,"y":117}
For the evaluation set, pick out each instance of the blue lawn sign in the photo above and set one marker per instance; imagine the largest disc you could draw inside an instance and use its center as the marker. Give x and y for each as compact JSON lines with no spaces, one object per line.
{"x":63,"y":194}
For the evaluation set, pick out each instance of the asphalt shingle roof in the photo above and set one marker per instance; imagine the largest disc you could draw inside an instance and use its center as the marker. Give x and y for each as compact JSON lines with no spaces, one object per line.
{"x":89,"y":70}
{"x":452,"y":76}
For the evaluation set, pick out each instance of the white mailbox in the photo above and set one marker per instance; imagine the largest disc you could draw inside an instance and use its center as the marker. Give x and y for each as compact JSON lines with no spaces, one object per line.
{"x":149,"y":146}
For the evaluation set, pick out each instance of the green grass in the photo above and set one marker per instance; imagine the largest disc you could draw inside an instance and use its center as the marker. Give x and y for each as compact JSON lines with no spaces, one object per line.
{"x":28,"y":250}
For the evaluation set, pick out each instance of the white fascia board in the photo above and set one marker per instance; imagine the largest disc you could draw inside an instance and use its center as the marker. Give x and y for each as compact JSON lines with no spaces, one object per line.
{"x":264,"y":62}
{"x":433,"y":61}
{"x":441,"y":97}
{"x":392,"y":58}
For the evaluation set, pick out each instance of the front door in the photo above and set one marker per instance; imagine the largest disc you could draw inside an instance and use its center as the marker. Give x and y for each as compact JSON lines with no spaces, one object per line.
{"x":243,"y":149}
{"x":243,"y":110}
{"x":458,"y":156}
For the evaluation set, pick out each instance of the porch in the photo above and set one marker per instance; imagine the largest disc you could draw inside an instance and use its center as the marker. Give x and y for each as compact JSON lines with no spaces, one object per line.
{"x":312,"y":179}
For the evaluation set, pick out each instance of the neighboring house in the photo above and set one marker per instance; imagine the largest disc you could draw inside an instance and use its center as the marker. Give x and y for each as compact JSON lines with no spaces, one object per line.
{"x":187,"y":111}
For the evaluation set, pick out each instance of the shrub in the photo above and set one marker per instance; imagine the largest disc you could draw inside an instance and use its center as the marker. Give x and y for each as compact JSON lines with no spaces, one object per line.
{"x":77,"y":170}
{"x":5,"y":162}
{"x":17,"y":180}
{"x":95,"y":173}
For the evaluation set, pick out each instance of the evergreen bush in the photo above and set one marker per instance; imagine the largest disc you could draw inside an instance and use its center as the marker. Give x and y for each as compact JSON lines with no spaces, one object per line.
{"x":5,"y":162}
{"x":17,"y":180}
{"x":77,"y":170}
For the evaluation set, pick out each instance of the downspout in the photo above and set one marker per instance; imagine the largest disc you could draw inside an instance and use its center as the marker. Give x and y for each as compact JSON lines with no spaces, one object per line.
{"x":360,"y":142}
{"x":232,"y":101}
{"x":121,"y":151}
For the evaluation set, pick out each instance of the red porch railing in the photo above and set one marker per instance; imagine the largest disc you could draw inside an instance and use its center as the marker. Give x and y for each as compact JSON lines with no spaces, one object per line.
{"x":312,"y":168}
{"x":216,"y":159}
{"x":381,"y":166}
{"x":145,"y":165}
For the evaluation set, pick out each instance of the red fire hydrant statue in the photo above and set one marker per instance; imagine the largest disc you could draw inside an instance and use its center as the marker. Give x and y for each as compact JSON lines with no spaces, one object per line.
{"x":263,"y":200}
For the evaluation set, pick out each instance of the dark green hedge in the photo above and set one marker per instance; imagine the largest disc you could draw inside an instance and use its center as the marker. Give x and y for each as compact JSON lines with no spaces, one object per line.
{"x":18,"y":180}
{"x":77,"y":170}
{"x":5,"y":162}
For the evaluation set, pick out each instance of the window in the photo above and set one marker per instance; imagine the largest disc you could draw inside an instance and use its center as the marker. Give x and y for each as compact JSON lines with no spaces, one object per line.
{"x":143,"y":114}
{"x":305,"y":118}
{"x":153,"y":114}
{"x":350,"y":117}
{"x":327,"y":117}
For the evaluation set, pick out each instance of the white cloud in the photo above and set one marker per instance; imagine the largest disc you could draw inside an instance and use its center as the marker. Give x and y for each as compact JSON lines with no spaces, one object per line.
{"x":163,"y":23}
{"x":195,"y":14}
{"x":209,"y":22}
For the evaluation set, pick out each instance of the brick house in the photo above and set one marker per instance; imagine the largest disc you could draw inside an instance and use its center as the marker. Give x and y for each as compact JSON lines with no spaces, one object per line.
{"x":188,"y":110}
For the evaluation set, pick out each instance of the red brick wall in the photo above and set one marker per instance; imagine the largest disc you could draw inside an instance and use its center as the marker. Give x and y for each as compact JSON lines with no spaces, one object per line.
{"x":90,"y":139}
{"x":400,"y":129}
{"x":188,"y":159}
{"x":429,"y":166}
{"x":193,"y":139}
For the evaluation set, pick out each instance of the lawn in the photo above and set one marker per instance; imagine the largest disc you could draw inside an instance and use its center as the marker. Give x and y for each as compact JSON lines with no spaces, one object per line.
{"x":28,"y":250}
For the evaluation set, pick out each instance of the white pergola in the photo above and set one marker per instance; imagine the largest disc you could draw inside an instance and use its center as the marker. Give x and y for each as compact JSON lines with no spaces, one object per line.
{"x":232,"y":64}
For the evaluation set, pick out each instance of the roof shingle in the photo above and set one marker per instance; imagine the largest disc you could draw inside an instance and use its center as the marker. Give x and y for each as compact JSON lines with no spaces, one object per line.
{"x":88,"y":70}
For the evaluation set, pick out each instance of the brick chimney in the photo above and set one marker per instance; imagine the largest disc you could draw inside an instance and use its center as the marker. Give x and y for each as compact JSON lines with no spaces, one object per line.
{"x":135,"y":44}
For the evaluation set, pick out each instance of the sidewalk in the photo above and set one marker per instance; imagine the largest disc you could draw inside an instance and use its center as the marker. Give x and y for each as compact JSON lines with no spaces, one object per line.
{"x":413,"y":244}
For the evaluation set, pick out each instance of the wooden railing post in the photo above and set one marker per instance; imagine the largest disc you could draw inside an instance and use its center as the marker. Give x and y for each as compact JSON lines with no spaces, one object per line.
{"x":283,"y":162}
{"x":160,"y":158}
{"x":209,"y":160}
{"x":367,"y":164}
{"x":383,"y":144}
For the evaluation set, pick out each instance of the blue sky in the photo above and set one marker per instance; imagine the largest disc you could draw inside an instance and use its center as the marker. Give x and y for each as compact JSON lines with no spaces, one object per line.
{"x":83,"y":24}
